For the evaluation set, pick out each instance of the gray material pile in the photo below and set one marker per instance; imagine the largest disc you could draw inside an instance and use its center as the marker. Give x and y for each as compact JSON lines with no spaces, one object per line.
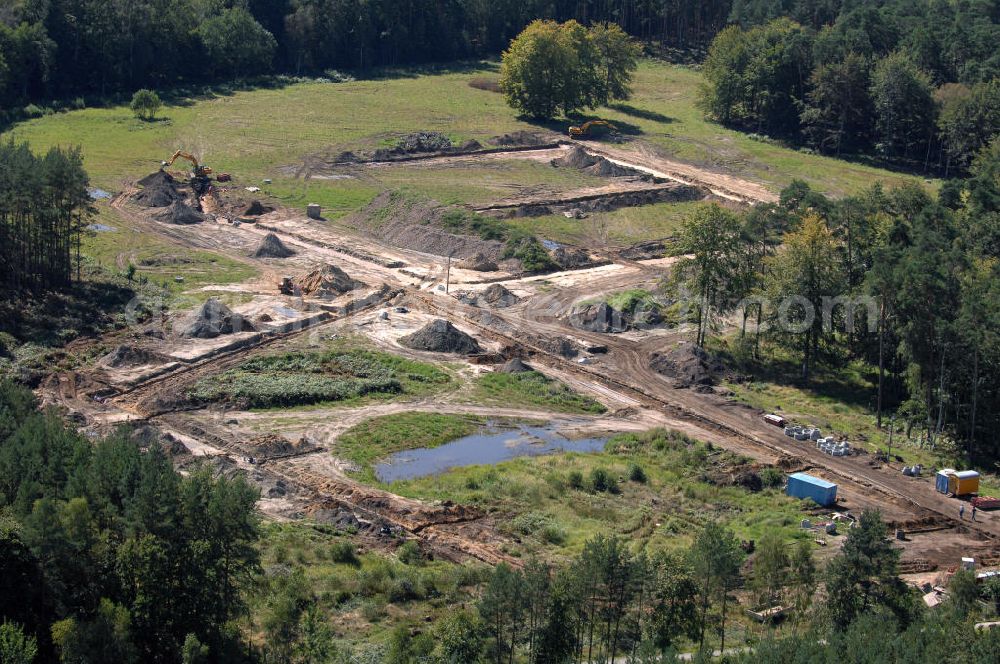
{"x":600,"y":317}
{"x":520,"y":139}
{"x":159,"y":189}
{"x":272,"y":247}
{"x":515,"y":366}
{"x":211,"y":320}
{"x":479,"y":262}
{"x":440,"y":336}
{"x":495,"y":296}
{"x":689,"y":365}
{"x":567,"y":257}
{"x":180,"y":213}
{"x":129,"y":356}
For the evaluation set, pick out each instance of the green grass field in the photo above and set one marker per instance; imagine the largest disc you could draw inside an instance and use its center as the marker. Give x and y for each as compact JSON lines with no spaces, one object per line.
{"x":531,"y":390}
{"x":259,"y":133}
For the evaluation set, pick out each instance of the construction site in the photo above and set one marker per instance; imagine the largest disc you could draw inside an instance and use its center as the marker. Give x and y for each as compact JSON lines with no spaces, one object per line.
{"x":416,"y":280}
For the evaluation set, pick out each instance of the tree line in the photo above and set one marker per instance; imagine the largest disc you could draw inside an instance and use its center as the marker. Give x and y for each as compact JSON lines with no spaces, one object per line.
{"x":912,"y":82}
{"x":108,"y":554}
{"x":904,"y":281}
{"x":611,"y":603}
{"x":44,"y":210}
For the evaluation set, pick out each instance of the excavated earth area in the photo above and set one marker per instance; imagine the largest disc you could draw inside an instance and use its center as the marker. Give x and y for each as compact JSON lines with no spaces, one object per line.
{"x":399,"y":291}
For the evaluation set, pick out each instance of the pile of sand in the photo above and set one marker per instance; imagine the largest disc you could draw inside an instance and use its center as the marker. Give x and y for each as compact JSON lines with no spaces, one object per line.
{"x":515,"y":366}
{"x":582,"y":160}
{"x":689,"y":365}
{"x":211,"y":320}
{"x":272,"y":247}
{"x":180,"y":213}
{"x":479,"y":262}
{"x":256,"y":208}
{"x":129,"y":356}
{"x":159,"y":189}
{"x":496,"y":295}
{"x":440,"y":336}
{"x":328,"y":280}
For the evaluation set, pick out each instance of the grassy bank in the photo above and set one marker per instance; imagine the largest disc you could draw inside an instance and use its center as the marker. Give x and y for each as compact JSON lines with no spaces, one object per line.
{"x":379,"y":437}
{"x":532,"y":390}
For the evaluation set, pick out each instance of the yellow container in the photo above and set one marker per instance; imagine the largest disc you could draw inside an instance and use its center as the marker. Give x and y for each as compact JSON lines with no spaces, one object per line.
{"x":963,"y":483}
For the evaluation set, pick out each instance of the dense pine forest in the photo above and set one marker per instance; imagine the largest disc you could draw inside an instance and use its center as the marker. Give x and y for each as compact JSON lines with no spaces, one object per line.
{"x":44,"y":208}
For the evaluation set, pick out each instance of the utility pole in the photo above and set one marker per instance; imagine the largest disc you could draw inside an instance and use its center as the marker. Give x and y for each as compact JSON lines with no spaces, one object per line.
{"x":892,"y":427}
{"x":447,"y":274}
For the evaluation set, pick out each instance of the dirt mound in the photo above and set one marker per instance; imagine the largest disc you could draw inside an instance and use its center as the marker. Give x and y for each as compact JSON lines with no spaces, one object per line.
{"x":644,"y":250}
{"x":576,"y":158}
{"x":689,"y":365}
{"x":273,"y":445}
{"x":568,"y":257}
{"x":519,"y":139}
{"x":328,"y":280}
{"x":599,"y":317}
{"x":129,"y":356}
{"x":515,"y":366}
{"x":498,"y":296}
{"x":479,"y":262}
{"x":580,"y":159}
{"x":180,"y":213}
{"x":256,"y":208}
{"x":440,"y":336}
{"x":420,"y":142}
{"x":272,"y":247}
{"x":211,"y":320}
{"x":159,"y":189}
{"x":416,"y":224}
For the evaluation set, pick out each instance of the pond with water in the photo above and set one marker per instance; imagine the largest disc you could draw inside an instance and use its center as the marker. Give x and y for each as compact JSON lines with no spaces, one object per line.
{"x":490,"y":446}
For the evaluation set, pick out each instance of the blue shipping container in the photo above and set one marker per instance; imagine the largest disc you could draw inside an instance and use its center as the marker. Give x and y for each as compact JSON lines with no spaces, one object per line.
{"x":941,"y":479}
{"x":822,"y":492}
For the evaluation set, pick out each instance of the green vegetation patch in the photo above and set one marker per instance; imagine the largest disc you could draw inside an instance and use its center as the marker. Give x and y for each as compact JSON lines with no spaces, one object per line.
{"x":657,"y":488}
{"x":533,"y":389}
{"x":298,"y":378}
{"x":379,"y":437}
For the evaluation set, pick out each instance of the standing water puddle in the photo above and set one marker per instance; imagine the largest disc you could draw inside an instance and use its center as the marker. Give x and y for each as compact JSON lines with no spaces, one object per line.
{"x":490,"y":446}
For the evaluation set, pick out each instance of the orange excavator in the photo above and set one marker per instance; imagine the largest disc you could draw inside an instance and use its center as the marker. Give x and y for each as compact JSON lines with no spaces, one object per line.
{"x":200,"y":181}
{"x":591,"y":129}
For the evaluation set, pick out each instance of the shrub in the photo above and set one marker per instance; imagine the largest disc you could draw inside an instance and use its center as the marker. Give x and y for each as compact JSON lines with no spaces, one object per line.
{"x":343,"y":552}
{"x":409,"y":553}
{"x":145,"y":104}
{"x":600,"y":480}
{"x":636,"y":473}
{"x":575,"y":479}
{"x":772,"y":478}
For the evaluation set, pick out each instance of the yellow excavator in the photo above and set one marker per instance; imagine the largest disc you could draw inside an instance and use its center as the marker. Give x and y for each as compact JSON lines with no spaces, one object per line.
{"x":586,"y":130}
{"x":200,"y":181}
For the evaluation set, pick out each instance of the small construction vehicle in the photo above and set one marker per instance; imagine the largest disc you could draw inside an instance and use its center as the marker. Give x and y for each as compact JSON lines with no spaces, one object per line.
{"x":199,"y":176}
{"x":592,"y":129}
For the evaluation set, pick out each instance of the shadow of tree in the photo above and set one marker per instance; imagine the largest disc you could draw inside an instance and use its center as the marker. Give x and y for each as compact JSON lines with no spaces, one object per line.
{"x":636,"y":112}
{"x":561,"y":125}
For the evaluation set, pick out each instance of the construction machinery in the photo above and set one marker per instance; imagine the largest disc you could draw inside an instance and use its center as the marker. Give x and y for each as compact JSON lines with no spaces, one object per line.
{"x":200,"y":181}
{"x":592,"y":128}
